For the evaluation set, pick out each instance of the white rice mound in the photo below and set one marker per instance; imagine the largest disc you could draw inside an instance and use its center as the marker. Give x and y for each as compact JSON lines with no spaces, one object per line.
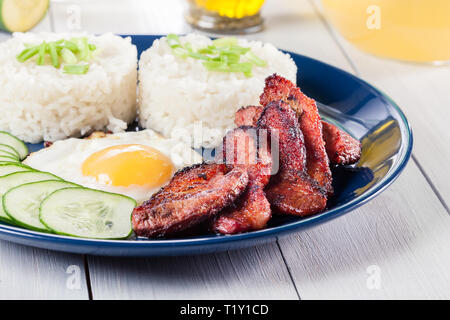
{"x":180,"y":98}
{"x":43,"y":103}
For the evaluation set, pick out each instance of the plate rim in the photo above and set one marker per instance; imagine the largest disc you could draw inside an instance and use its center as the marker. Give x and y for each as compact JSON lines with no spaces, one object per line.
{"x":18,"y":232}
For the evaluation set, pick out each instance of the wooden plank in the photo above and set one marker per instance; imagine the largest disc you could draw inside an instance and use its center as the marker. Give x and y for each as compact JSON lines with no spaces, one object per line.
{"x":400,"y":238}
{"x":254,"y":273}
{"x":422,"y":91}
{"x":134,"y":17}
{"x":30,"y":273}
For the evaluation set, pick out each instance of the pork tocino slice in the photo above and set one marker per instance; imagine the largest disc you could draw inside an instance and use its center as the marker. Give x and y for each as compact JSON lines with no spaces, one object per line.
{"x":194,"y":194}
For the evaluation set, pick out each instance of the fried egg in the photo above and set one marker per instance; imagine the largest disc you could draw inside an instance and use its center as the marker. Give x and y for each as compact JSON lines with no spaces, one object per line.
{"x":136,"y":164}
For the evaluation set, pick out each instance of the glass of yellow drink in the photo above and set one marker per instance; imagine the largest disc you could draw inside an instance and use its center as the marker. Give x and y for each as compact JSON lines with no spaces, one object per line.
{"x":412,"y":30}
{"x":225,"y":16}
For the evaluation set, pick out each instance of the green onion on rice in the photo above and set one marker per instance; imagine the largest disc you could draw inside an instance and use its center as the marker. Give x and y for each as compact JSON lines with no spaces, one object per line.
{"x":184,"y":94}
{"x":40,"y":102}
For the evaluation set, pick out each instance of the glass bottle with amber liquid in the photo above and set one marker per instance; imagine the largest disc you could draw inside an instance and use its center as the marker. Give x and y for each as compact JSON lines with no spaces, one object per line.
{"x":225,"y":16}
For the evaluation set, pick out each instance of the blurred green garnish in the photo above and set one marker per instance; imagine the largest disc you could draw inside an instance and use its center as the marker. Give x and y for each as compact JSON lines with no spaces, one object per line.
{"x":223,"y":55}
{"x":69,"y":52}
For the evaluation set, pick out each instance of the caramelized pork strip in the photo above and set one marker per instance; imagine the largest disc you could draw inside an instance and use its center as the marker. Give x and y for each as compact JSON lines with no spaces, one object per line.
{"x":281,"y":123}
{"x":318,"y":168}
{"x":194,"y":195}
{"x":291,"y":191}
{"x":295,"y":193}
{"x":251,"y":211}
{"x":247,"y":116}
{"x":341,"y":148}
{"x":318,"y":165}
{"x":278,"y":88}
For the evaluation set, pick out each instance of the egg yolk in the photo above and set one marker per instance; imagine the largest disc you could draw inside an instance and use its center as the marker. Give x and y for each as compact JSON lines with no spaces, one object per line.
{"x":130,"y":164}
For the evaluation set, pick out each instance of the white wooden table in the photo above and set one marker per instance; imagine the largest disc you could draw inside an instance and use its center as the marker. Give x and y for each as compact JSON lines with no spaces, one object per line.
{"x":395,"y":247}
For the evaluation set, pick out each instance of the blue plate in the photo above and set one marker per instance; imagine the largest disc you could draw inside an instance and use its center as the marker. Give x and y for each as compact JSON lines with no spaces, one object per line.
{"x":345,"y":100}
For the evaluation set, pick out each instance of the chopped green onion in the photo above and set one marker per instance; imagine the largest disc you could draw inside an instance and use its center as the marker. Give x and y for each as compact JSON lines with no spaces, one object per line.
{"x":76,"y":68}
{"x":188,"y":47}
{"x":27,"y":54}
{"x":173,"y":40}
{"x":83,"y":46}
{"x":222,"y":55}
{"x":41,"y":55}
{"x":224,"y":42}
{"x":199,"y":56}
{"x":208,"y":50}
{"x":216,"y":66}
{"x":230,"y":57}
{"x":240,"y":50}
{"x":218,"y":58}
{"x":244,"y":67}
{"x":70,"y":51}
{"x":68,"y":56}
{"x":180,"y":52}
{"x":71,"y":46}
{"x":59,"y":49}
{"x":255,"y":59}
{"x":54,"y":54}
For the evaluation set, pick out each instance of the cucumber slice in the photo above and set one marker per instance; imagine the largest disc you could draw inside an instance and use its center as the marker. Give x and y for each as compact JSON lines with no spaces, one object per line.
{"x":13,"y":167}
{"x":9,"y":159}
{"x":9,"y":155}
{"x":88,"y":213}
{"x":20,"y":15}
{"x":15,"y":143}
{"x":9,"y":162}
{"x":22,"y":203}
{"x":9,"y":149}
{"x":16,"y":179}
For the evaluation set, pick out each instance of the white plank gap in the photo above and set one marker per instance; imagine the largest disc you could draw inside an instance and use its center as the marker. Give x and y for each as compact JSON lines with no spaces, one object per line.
{"x":253,"y":273}
{"x":38,"y":274}
{"x":403,"y":234}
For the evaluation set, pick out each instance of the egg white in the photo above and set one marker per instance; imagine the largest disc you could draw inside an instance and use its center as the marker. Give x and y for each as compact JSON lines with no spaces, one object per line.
{"x":65,"y":158}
